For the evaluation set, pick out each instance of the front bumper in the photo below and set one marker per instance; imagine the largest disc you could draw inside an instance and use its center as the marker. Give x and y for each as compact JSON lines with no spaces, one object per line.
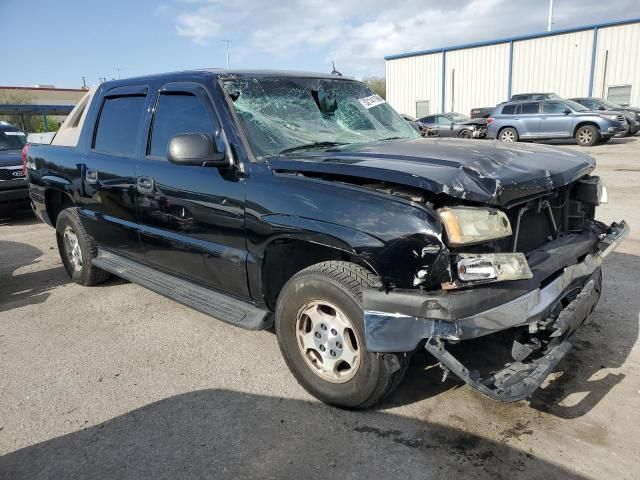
{"x":398,"y":321}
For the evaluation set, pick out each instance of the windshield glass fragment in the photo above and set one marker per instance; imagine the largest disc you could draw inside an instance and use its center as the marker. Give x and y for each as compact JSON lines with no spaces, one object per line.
{"x":292,"y":114}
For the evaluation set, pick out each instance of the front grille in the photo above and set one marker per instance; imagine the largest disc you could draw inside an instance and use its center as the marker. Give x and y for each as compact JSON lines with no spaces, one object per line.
{"x":11,"y":174}
{"x":621,"y":118}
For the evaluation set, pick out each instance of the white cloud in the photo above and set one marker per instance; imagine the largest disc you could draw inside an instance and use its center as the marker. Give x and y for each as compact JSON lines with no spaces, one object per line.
{"x":357,"y":34}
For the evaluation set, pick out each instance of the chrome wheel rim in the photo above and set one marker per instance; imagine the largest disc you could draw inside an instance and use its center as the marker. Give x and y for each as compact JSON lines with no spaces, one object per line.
{"x":508,"y":136}
{"x":585,"y":136}
{"x":328,"y":342}
{"x":72,"y":248}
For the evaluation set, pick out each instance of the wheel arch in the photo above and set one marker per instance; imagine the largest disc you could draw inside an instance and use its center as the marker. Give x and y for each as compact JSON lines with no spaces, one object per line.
{"x":55,"y":201}
{"x":584,"y":123}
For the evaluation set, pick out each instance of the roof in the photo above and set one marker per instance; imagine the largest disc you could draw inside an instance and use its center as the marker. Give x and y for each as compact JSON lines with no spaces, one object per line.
{"x":225,"y":73}
{"x":512,"y":39}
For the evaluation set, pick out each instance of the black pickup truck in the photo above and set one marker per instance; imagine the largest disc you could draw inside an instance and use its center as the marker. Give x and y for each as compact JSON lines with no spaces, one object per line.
{"x":304,"y":201}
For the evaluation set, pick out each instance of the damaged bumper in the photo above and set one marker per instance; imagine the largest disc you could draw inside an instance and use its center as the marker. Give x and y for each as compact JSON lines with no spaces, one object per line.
{"x":562,"y":293}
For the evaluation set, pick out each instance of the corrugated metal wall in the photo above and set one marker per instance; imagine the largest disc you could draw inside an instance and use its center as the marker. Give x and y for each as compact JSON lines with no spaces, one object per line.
{"x":481,"y":77}
{"x":558,"y":63}
{"x":623,"y":60}
{"x":414,"y":79}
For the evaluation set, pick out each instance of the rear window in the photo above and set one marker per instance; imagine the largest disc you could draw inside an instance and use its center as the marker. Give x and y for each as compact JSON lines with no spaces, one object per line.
{"x":529,"y":108}
{"x":508,"y":110}
{"x":12,"y":139}
{"x":118,"y":125}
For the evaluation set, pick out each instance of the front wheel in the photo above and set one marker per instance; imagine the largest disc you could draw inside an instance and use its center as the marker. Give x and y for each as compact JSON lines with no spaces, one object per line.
{"x":587,"y":136}
{"x":465,"y":134}
{"x":508,"y":135}
{"x":320,"y":329}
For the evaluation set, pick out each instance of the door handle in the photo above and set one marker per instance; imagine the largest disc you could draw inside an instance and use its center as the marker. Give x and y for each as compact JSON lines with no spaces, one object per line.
{"x":144,"y":184}
{"x":91,"y":176}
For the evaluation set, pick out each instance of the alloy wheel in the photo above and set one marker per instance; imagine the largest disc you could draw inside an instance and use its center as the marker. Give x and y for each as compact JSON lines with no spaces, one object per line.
{"x":72,"y":248}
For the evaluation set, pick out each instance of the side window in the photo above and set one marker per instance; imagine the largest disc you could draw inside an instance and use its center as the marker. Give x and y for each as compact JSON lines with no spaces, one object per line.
{"x":529,"y":108}
{"x":553,"y":107}
{"x":118,"y":125}
{"x":443,"y":121}
{"x":177,"y":113}
{"x":508,"y":110}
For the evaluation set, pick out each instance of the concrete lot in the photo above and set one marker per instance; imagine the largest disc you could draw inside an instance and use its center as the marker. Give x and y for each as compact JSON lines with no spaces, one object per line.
{"x":117,"y":382}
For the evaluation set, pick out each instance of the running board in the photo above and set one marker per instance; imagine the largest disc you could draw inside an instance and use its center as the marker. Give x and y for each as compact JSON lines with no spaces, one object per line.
{"x":218,"y":305}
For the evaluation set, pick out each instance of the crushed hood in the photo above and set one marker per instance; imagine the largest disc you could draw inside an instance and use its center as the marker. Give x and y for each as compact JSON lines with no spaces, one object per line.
{"x":482,"y":171}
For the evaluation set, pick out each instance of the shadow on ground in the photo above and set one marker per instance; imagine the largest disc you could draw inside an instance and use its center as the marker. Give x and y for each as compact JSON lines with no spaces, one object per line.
{"x":224,"y":434}
{"x":603,"y":344}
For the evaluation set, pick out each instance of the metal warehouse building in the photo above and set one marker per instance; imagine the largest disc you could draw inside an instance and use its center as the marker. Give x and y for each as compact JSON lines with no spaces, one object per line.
{"x":596,"y":60}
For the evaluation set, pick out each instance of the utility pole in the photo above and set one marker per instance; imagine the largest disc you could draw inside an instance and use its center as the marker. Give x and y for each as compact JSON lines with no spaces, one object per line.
{"x":118,"y":69}
{"x":550,"y":20}
{"x":226,"y":43}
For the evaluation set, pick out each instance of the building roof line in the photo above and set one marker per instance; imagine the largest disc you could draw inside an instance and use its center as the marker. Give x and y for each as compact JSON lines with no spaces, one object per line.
{"x":512,"y":39}
{"x":39,"y":89}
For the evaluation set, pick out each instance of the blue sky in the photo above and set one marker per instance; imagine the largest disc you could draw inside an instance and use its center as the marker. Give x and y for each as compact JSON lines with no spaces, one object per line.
{"x":58,"y":42}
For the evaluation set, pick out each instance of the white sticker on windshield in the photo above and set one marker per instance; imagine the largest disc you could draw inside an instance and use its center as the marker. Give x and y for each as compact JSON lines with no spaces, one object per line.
{"x":14,"y":134}
{"x":371,"y":101}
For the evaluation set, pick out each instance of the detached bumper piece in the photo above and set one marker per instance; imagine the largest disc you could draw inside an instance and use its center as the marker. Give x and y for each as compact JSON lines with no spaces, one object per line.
{"x":520,"y":379}
{"x":540,"y":314}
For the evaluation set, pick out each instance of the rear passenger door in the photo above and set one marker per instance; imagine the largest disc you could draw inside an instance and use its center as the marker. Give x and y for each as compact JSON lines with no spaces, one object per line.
{"x":528,"y":116}
{"x":192,"y":218}
{"x":108,"y":171}
{"x":554,"y":122}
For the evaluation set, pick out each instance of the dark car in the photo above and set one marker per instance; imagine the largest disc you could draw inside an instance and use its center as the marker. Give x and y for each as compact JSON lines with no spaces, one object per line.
{"x":453,"y":125}
{"x":518,"y":97}
{"x":632,"y":114}
{"x":553,"y":119}
{"x":13,"y":183}
{"x":305,"y":202}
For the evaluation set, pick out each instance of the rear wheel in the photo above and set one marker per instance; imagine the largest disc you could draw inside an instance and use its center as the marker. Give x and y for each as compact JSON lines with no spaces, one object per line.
{"x":77,"y":249}
{"x":587,"y":136}
{"x":508,"y":135}
{"x":320,"y":329}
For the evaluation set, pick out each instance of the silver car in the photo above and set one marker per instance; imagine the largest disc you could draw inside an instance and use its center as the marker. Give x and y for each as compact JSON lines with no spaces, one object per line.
{"x":551,"y":119}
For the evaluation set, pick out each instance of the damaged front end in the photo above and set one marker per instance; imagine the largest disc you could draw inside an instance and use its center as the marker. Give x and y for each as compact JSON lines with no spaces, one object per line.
{"x":528,"y":287}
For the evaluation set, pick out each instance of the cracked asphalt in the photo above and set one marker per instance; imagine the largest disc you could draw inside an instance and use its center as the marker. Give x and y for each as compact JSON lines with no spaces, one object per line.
{"x":115,"y":381}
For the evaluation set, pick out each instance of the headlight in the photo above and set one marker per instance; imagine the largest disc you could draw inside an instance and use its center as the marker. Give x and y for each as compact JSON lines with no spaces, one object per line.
{"x":609,"y":117}
{"x":493,"y":266}
{"x":468,"y":225}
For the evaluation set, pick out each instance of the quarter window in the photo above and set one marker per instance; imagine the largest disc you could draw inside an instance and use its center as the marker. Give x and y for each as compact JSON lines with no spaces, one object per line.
{"x":118,"y":125}
{"x":178,"y":113}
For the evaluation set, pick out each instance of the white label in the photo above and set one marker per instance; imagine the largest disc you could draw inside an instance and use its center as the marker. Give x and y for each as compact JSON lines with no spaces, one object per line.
{"x":371,"y":101}
{"x":14,"y":134}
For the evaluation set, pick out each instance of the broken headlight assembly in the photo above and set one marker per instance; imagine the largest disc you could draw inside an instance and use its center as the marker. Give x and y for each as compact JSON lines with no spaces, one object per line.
{"x":472,"y":225}
{"x":496,"y":267}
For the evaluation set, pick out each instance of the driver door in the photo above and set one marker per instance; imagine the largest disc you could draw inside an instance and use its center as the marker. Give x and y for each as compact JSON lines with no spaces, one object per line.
{"x":191,"y":217}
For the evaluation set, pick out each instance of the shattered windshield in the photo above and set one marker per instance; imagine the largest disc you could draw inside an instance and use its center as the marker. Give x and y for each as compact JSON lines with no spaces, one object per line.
{"x":283,"y":115}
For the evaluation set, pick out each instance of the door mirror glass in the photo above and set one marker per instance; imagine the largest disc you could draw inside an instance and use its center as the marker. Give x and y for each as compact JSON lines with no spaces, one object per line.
{"x":566,"y":111}
{"x":195,"y":149}
{"x":601,"y":107}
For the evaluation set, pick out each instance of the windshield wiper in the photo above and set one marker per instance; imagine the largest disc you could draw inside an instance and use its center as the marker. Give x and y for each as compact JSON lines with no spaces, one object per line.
{"x":311,"y":145}
{"x":391,"y":138}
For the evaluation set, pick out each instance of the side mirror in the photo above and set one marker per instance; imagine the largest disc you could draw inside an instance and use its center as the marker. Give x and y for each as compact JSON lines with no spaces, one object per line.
{"x":601,"y":108}
{"x":566,"y":111}
{"x":196,"y":150}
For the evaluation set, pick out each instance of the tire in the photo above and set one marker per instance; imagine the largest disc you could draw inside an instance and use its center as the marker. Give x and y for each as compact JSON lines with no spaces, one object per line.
{"x":331,"y":292}
{"x":77,"y":263}
{"x":587,"y":136}
{"x":508,"y":135}
{"x":465,"y":134}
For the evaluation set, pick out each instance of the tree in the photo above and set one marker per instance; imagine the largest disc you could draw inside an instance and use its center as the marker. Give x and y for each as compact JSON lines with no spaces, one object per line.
{"x":376,"y":85}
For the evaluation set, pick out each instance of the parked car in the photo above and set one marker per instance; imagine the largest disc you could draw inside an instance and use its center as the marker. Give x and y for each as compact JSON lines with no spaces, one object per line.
{"x":453,"y":125}
{"x":305,"y":201}
{"x":519,"y":97}
{"x":483,"y":112}
{"x":13,"y":183}
{"x":631,"y":114}
{"x":551,"y":119}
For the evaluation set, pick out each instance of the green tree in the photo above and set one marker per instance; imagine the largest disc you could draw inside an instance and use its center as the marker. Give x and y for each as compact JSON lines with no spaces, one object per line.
{"x":376,"y":85}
